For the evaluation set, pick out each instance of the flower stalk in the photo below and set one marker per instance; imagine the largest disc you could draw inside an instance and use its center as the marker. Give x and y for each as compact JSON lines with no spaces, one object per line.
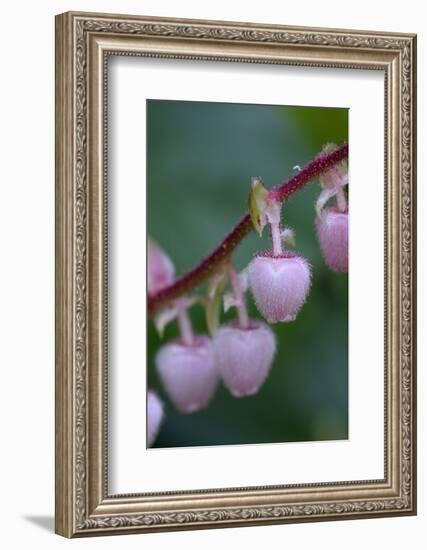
{"x":276,"y":238}
{"x":242,"y":312}
{"x":184,"y":323}
{"x":341,"y":200}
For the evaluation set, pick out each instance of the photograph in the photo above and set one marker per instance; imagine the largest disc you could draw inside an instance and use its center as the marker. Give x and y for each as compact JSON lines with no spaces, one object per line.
{"x":256,"y":350}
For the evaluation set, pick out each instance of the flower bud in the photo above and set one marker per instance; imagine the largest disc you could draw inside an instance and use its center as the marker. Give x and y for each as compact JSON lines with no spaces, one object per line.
{"x":280,"y":285}
{"x":244,"y":356}
{"x":160,"y":269}
{"x":189,"y":373}
{"x":332,"y":232}
{"x":154,"y":416}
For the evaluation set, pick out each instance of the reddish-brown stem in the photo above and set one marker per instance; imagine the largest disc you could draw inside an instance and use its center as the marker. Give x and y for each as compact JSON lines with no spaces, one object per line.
{"x":210,"y":264}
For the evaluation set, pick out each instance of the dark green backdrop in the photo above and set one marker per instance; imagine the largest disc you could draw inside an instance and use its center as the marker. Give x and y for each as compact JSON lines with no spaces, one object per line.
{"x":201,"y":157}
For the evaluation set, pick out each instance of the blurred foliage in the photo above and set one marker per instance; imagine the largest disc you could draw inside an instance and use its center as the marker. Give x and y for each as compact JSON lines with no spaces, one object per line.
{"x":201,"y":157}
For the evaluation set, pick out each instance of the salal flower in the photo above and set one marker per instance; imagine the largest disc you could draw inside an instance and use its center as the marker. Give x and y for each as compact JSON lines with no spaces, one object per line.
{"x":244,"y":356}
{"x":279,"y":279}
{"x":188,"y":373}
{"x":160,"y":269}
{"x":279,"y":284}
{"x":154,"y":416}
{"x":332,"y":232}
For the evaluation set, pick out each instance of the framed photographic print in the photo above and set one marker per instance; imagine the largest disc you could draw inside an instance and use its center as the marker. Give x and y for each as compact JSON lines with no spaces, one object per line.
{"x":235,"y":274}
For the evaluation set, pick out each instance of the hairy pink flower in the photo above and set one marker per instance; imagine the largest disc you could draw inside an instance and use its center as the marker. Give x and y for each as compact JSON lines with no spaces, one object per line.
{"x":280,"y":285}
{"x":189,"y":373}
{"x":154,"y":416}
{"x":332,"y":232}
{"x":244,"y":356}
{"x":160,"y":269}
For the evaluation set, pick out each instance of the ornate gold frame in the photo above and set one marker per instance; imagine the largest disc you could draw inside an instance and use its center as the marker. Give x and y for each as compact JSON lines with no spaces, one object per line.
{"x":83,"y":42}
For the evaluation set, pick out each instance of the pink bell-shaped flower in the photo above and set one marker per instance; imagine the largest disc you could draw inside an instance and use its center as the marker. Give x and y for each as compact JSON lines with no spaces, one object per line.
{"x":160,"y":269}
{"x":332,"y":232}
{"x":244,"y":356}
{"x":188,"y":372}
{"x":279,"y":284}
{"x":154,"y":416}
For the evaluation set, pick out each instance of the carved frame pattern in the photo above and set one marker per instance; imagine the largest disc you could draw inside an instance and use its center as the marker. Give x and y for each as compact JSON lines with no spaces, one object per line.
{"x":83,"y":506}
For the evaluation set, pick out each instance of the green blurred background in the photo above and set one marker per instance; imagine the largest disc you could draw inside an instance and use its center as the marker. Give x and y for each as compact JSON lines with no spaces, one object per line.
{"x":200,"y":160}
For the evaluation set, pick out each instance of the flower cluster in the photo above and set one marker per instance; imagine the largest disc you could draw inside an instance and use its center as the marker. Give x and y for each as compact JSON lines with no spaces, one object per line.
{"x":240,"y":354}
